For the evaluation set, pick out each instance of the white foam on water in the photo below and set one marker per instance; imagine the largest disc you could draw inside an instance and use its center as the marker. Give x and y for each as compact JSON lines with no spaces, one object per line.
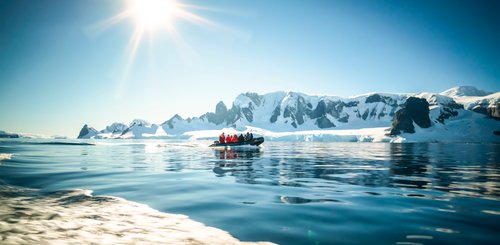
{"x":5,"y":156}
{"x":71,"y":217}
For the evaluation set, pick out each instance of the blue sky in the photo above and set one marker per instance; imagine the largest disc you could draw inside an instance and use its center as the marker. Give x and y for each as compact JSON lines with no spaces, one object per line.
{"x":59,"y":70}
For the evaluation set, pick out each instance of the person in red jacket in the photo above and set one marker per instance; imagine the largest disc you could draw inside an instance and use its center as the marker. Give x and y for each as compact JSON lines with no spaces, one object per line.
{"x":228,"y":138}
{"x":222,"y":138}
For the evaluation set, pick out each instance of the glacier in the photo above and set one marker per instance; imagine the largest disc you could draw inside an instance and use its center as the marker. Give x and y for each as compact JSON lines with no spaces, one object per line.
{"x":460,"y":114}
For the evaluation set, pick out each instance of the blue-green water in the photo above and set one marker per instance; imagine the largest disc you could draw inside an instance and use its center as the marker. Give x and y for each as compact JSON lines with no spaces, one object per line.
{"x":285,"y":192}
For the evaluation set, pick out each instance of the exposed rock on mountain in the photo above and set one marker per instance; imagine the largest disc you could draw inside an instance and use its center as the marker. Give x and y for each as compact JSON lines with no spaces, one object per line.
{"x":414,"y":110}
{"x":87,"y":132}
{"x":140,"y":128}
{"x":115,"y":128}
{"x":4,"y":134}
{"x":494,"y":111}
{"x":292,"y":111}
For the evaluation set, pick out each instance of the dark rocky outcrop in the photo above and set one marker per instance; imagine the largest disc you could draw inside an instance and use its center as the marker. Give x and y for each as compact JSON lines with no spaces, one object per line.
{"x":323,"y":122}
{"x":84,"y":131}
{"x":382,"y":113}
{"x":223,"y":115}
{"x":115,"y":128}
{"x":373,"y":98}
{"x":247,"y":112}
{"x":365,"y":114}
{"x":302,"y":110}
{"x":297,"y":112}
{"x":414,"y":110}
{"x":220,"y":114}
{"x":494,"y":111}
{"x":4,"y":134}
{"x":87,"y":132}
{"x":449,"y":110}
{"x":233,"y":115}
{"x":344,"y":119}
{"x":352,"y":104}
{"x":319,"y":111}
{"x":480,"y":109}
{"x":170,"y":122}
{"x":446,"y":113}
{"x":256,"y":99}
{"x":333,"y":108}
{"x":276,"y":114}
{"x":402,"y":122}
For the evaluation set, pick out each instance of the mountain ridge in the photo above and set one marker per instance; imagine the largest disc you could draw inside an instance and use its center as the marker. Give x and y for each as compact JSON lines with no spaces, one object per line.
{"x":294,"y":111}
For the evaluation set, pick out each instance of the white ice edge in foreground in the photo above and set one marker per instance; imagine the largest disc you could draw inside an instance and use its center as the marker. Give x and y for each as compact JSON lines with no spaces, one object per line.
{"x":77,"y":217}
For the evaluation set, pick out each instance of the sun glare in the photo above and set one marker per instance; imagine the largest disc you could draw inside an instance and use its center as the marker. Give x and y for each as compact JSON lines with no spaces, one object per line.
{"x":152,"y":14}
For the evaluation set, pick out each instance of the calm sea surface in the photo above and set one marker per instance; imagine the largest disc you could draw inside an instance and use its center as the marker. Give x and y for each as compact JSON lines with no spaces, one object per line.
{"x":288,"y":193}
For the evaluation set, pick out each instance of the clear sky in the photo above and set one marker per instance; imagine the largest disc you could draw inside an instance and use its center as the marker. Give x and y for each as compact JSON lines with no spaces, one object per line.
{"x":63,"y":64}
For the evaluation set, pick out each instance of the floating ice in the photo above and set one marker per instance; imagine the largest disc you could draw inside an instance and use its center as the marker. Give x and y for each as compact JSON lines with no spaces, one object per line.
{"x":5,"y":156}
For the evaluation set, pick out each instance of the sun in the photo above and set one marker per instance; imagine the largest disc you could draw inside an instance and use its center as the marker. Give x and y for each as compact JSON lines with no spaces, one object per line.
{"x":150,"y":17}
{"x":154,"y":14}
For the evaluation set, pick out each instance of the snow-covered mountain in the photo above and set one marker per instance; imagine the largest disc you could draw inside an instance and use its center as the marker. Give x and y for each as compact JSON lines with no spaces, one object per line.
{"x":87,"y":132}
{"x":4,"y":134}
{"x":460,"y":91}
{"x":281,"y":112}
{"x":142,"y":129}
{"x":291,"y":111}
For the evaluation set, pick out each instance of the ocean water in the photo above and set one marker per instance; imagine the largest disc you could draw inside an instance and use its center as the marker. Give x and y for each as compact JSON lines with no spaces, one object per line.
{"x":284,"y":192}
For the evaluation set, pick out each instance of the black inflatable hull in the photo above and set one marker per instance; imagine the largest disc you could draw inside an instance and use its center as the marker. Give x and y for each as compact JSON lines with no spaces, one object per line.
{"x":254,"y":142}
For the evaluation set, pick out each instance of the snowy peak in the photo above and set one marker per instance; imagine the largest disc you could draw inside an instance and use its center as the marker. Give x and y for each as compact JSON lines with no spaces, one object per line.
{"x":460,"y":91}
{"x":297,"y":111}
{"x":140,"y":123}
{"x":115,"y":128}
{"x":293,"y":111}
{"x":87,"y":132}
{"x":139,"y":128}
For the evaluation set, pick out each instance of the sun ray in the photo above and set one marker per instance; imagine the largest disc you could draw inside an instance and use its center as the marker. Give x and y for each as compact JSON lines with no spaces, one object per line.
{"x":150,"y":17}
{"x":130,"y":53}
{"x":102,"y":26}
{"x":196,"y":19}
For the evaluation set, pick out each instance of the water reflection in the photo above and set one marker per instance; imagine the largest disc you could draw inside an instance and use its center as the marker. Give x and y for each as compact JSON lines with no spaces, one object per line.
{"x":243,"y":153}
{"x":411,"y":165}
{"x":288,"y":192}
{"x":234,"y":160}
{"x":440,"y":167}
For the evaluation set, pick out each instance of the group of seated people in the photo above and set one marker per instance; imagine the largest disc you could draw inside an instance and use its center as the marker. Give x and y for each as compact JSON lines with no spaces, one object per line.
{"x":235,"y":138}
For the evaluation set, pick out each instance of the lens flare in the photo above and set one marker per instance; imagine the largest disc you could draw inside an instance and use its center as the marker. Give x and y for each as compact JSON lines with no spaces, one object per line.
{"x":153,"y":14}
{"x":149,"y":17}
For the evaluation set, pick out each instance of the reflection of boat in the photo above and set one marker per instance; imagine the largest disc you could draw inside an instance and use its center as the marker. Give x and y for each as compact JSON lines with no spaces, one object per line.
{"x":242,"y":153}
{"x":253,"y":143}
{"x":235,"y":160}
